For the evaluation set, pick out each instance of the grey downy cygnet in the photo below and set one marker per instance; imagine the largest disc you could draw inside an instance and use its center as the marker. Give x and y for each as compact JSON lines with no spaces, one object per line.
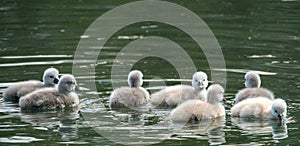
{"x":14,"y":92}
{"x":62,"y":96}
{"x":132,"y":96}
{"x":253,"y":89}
{"x":174,"y":95}
{"x":260,"y":107}
{"x":196,"y":109}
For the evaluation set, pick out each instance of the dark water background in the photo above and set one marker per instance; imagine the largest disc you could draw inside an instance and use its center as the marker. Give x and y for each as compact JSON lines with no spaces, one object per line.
{"x":254,"y":35}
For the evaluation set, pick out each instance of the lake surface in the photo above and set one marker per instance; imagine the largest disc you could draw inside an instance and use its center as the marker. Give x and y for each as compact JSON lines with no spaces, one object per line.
{"x":253,"y":35}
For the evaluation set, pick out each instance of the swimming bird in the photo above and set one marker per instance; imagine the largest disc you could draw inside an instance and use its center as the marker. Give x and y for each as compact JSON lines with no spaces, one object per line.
{"x":14,"y":92}
{"x":174,"y":95}
{"x":132,"y":96}
{"x":62,"y":96}
{"x":252,"y":83}
{"x":260,"y":107}
{"x":196,"y":109}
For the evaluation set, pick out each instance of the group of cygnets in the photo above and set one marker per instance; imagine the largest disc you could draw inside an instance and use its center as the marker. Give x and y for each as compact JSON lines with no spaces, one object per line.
{"x":192,"y":102}
{"x":52,"y":93}
{"x":196,"y":103}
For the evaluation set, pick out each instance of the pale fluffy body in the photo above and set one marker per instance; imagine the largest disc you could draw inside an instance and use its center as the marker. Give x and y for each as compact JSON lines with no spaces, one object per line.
{"x":172,"y":96}
{"x":260,"y":107}
{"x":129,"y":97}
{"x":252,"y":93}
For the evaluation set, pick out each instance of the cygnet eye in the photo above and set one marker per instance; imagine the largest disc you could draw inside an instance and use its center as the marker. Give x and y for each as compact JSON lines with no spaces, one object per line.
{"x":275,"y":111}
{"x":51,"y":77}
{"x":69,"y":82}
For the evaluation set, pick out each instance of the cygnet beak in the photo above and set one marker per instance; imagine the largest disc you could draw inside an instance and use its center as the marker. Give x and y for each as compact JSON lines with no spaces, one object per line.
{"x":280,"y":118}
{"x":77,"y":88}
{"x":81,"y":89}
{"x":224,"y":100}
{"x":201,"y":85}
{"x":55,"y":81}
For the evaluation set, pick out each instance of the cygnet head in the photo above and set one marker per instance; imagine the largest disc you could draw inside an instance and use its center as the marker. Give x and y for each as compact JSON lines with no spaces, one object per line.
{"x":200,"y":81}
{"x":252,"y":80}
{"x":50,"y":77}
{"x":215,"y":94}
{"x":279,"y":109}
{"x":67,"y":84}
{"x":135,"y":78}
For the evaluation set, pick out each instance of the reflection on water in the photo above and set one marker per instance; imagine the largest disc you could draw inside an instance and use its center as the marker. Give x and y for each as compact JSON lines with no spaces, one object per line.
{"x":279,"y":131}
{"x":128,"y":126}
{"x":64,"y":122}
{"x":262,"y":127}
{"x":39,"y":124}
{"x":210,"y":129}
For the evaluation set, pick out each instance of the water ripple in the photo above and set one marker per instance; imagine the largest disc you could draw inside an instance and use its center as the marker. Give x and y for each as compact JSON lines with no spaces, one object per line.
{"x":36,"y":56}
{"x":285,"y":64}
{"x":36,"y":63}
{"x":19,"y":139}
{"x":245,"y":70}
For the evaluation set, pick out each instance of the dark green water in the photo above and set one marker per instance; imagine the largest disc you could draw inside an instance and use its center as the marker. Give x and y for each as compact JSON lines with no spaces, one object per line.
{"x":254,"y":35}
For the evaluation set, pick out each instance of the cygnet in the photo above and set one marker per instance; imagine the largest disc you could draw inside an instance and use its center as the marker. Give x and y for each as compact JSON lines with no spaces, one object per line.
{"x":174,"y":95}
{"x":132,"y":96}
{"x":252,"y":83}
{"x":196,"y":109}
{"x":14,"y":92}
{"x":62,"y":96}
{"x":260,"y":107}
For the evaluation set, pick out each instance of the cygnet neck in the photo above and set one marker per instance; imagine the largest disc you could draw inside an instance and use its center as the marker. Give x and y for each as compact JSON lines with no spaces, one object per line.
{"x":133,"y":83}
